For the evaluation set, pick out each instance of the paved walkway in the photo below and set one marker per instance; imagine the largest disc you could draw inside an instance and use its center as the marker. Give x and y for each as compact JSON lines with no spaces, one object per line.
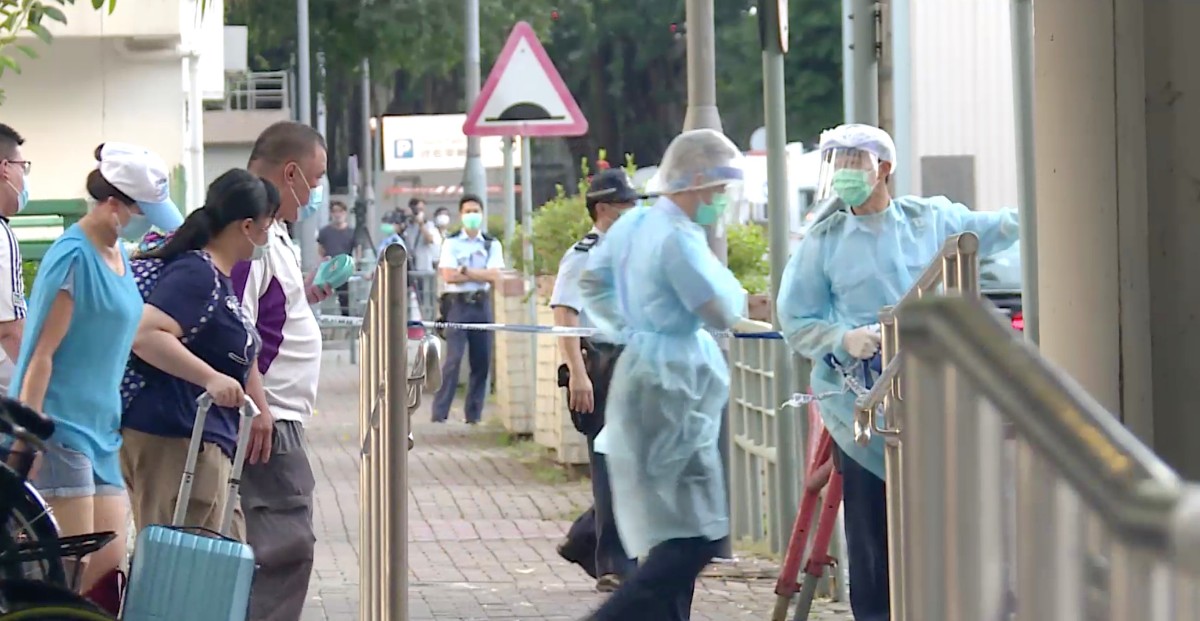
{"x":483,"y":527}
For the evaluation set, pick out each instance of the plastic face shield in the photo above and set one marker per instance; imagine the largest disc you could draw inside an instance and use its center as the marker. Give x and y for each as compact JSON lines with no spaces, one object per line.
{"x":837,"y":159}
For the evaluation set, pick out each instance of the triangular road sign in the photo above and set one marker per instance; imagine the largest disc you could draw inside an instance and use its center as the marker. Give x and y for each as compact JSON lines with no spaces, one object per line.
{"x":524,"y":95}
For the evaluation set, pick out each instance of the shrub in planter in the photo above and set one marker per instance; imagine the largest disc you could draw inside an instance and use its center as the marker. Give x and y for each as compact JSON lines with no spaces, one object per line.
{"x":560,"y":223}
{"x":747,"y":247}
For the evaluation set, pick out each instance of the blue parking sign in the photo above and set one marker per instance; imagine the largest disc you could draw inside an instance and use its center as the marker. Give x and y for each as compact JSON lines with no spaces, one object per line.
{"x":404,"y":148}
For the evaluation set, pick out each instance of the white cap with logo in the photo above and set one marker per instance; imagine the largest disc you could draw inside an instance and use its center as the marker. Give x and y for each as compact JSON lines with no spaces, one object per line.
{"x":141,"y":175}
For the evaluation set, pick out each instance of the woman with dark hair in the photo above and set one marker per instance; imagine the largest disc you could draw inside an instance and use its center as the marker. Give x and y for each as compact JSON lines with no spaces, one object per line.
{"x":82,"y":317}
{"x":193,"y":339}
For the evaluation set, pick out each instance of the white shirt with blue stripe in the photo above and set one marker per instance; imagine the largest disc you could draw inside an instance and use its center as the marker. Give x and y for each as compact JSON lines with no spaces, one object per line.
{"x":12,"y":291}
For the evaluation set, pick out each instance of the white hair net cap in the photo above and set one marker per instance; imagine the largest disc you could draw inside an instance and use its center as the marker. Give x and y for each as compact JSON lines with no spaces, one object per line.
{"x":697,"y":159}
{"x":858,"y":136}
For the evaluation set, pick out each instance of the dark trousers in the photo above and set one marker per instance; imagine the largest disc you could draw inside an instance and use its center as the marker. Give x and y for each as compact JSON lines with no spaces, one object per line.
{"x":478,"y":347}
{"x":593,"y":540}
{"x":864,"y":502}
{"x":343,"y":296}
{"x":662,"y":586}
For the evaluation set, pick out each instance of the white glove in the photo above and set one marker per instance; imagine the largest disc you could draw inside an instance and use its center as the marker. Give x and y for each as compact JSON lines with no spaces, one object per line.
{"x":862,"y":343}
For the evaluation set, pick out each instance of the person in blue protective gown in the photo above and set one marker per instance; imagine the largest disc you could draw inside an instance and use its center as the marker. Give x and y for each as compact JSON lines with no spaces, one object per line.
{"x":848,"y":267}
{"x":655,"y":289}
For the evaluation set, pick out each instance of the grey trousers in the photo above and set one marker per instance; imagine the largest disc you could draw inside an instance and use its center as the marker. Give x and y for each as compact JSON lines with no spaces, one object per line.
{"x":277,"y":499}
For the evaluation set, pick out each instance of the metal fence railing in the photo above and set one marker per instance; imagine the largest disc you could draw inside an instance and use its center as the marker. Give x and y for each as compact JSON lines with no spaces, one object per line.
{"x":1100,"y":527}
{"x":256,"y":90}
{"x":954,"y":271}
{"x":393,"y":374}
{"x":757,"y":514}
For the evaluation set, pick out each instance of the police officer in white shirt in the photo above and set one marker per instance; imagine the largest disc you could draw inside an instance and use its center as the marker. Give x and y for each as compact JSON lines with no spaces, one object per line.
{"x":471,"y":261}
{"x":592,"y":542}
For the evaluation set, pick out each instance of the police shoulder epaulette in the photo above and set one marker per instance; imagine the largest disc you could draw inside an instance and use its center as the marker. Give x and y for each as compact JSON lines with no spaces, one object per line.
{"x":487,"y":237}
{"x":588,"y":242}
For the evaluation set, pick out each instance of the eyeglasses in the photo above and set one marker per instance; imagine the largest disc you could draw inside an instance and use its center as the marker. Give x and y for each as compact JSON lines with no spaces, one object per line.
{"x":25,"y":165}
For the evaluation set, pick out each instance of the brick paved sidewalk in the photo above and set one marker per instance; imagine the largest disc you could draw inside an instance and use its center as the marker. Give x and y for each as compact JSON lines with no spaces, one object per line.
{"x":483,"y":527}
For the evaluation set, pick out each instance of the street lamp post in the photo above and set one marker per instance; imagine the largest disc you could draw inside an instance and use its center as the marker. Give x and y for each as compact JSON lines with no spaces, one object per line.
{"x":306,"y":230}
{"x":474,"y":175}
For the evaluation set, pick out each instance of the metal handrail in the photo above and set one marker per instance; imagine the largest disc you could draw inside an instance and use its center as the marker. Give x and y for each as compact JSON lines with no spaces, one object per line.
{"x":383,"y":420}
{"x":1132,"y":489}
{"x":956,"y":267}
{"x":1103,"y":527}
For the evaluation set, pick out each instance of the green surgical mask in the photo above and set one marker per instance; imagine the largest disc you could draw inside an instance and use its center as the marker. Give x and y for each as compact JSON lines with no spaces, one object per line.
{"x":387,"y":228}
{"x":851,"y":186}
{"x":708,"y":213}
{"x":472,"y":220}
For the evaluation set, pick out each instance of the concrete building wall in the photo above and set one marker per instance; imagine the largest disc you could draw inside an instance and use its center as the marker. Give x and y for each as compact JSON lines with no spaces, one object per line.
{"x":962,"y":102}
{"x":82,"y":92}
{"x":220,"y":158}
{"x":1118,"y":190}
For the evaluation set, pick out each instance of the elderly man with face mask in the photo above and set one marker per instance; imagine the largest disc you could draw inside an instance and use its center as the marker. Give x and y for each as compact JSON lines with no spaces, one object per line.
{"x":848,"y":267}
{"x":277,"y":485}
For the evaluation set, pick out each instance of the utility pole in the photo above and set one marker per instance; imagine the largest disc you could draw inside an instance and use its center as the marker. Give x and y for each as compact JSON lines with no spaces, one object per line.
{"x":306,"y":230}
{"x":474,"y":175}
{"x":861,"y":61}
{"x":773,"y":23}
{"x":368,"y":156}
{"x":1022,"y":50}
{"x":702,"y":88}
{"x":702,"y":114}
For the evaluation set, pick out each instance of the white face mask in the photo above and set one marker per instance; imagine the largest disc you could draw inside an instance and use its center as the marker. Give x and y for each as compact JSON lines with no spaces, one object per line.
{"x":442,"y":220}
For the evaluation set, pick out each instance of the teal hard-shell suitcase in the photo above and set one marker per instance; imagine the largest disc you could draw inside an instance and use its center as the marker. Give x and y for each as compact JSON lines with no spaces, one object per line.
{"x":190,"y":574}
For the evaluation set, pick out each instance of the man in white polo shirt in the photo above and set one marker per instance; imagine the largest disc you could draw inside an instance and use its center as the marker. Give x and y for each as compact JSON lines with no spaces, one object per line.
{"x":277,"y":485}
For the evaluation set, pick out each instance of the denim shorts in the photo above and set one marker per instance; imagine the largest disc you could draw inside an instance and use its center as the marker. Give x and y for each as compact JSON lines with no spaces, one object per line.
{"x":67,"y":473}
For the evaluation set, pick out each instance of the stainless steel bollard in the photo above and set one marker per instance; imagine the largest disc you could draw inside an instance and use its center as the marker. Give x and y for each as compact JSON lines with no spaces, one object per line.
{"x":384,"y":426}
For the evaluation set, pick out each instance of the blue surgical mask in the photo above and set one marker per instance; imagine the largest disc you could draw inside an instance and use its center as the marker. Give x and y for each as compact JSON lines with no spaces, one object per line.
{"x":316,"y":196}
{"x":852,"y":186}
{"x":315,"y":199}
{"x":22,"y":194}
{"x":472,"y":221}
{"x":259,"y":252}
{"x":708,"y":213}
{"x":138,"y":226}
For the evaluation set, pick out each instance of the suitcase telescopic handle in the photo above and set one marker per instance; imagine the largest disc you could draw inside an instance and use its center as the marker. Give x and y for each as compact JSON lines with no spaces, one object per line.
{"x":203,"y":403}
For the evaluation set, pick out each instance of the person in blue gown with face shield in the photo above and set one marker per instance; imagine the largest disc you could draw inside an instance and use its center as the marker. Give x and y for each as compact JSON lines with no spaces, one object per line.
{"x":654,"y":288}
{"x":848,"y":267}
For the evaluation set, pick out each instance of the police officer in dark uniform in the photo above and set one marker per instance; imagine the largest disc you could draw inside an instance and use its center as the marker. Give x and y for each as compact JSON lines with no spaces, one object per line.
{"x":593,"y":542}
{"x":471,"y":261}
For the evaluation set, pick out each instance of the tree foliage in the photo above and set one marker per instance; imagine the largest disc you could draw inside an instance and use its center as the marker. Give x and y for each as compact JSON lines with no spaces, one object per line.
{"x":623,"y":60}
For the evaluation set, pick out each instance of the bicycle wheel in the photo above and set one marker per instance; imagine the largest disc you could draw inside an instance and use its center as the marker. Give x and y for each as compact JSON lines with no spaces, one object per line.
{"x":56,"y":612}
{"x":29,"y":600}
{"x":29,"y":524}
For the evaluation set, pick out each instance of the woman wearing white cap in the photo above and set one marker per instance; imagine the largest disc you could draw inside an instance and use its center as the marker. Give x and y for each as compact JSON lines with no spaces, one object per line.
{"x":83,"y":314}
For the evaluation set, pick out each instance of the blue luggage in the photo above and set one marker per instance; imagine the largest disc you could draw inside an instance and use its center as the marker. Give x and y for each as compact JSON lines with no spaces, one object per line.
{"x":192,"y":574}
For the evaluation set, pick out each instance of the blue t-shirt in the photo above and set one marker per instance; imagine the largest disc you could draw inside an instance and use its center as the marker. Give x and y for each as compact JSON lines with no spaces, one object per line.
{"x":83,"y":395}
{"x":166,"y":405}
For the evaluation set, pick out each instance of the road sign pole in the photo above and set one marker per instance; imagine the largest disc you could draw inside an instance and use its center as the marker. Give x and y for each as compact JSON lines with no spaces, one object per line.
{"x":527,"y":250}
{"x":474,"y":175}
{"x":510,"y":202}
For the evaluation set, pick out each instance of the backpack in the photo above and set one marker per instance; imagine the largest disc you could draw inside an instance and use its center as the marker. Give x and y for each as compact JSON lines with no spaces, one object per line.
{"x":146,"y":272}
